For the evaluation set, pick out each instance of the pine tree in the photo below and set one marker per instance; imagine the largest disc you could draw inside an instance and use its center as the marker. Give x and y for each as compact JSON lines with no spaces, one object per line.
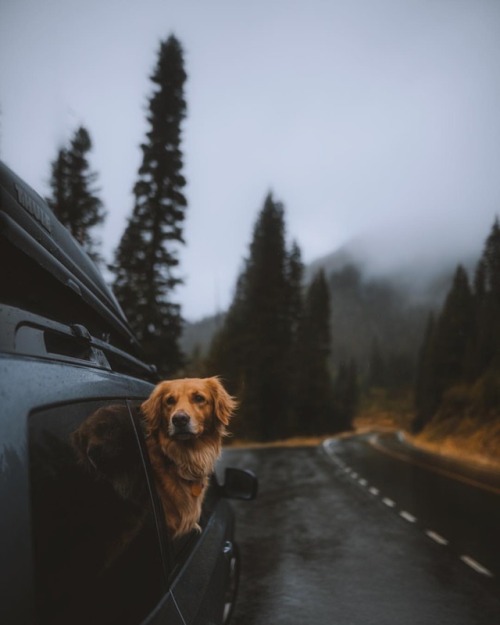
{"x":254,"y":348}
{"x":444,"y":353}
{"x":345,"y":396}
{"x":491,"y":261}
{"x":489,"y":316}
{"x":74,"y":197}
{"x":453,"y":331}
{"x":315,"y":397}
{"x":147,"y":255}
{"x":426,"y":397}
{"x":377,"y":372}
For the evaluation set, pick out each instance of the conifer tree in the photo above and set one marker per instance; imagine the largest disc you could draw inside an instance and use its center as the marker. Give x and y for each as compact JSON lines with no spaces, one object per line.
{"x":491,"y":261}
{"x":453,"y":331}
{"x":314,"y":384}
{"x":345,"y":396}
{"x":147,"y":256}
{"x":489,"y":316}
{"x":425,"y":384}
{"x":74,"y":197}
{"x":295,"y":278}
{"x":443,"y":355}
{"x":254,"y":348}
{"x":377,"y":373}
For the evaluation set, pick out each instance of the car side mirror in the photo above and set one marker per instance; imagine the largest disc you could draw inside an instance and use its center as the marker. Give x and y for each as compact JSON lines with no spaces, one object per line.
{"x":240,"y":484}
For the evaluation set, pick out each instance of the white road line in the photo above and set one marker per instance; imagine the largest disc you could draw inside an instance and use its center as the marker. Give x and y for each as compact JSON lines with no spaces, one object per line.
{"x":437,"y":538}
{"x":388,"y":502}
{"x":479,"y":568}
{"x":354,"y":475}
{"x":363,"y":482}
{"x":374,"y":491}
{"x":407,"y":516}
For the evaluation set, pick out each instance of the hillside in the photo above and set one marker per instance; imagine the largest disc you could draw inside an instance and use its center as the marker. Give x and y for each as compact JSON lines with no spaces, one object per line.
{"x":382,"y":313}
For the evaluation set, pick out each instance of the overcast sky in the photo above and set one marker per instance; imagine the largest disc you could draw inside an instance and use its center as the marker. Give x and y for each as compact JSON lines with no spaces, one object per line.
{"x":377,"y":119}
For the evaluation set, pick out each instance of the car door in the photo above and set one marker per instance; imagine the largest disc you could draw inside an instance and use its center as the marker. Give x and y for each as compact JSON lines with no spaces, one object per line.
{"x":98,"y":552}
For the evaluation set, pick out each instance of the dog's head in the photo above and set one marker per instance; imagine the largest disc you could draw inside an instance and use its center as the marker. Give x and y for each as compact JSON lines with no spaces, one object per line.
{"x":188,"y":409}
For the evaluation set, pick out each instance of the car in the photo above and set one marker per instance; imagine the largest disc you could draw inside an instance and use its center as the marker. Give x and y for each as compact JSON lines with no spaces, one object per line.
{"x":83,"y":538}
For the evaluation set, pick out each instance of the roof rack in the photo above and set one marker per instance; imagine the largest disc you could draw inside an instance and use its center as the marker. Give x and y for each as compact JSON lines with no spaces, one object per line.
{"x":27,"y":334}
{"x":28,"y":224}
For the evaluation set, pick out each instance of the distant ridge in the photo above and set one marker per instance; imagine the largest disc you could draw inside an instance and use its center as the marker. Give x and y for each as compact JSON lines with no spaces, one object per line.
{"x":387,"y":308}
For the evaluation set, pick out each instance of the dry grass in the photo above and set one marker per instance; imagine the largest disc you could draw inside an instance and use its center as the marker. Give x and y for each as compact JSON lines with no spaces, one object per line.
{"x":381,"y":410}
{"x":296,"y":441}
{"x":462,"y":440}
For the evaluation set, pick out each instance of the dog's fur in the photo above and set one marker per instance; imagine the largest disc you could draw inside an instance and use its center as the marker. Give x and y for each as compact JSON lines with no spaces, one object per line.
{"x":185,"y":420}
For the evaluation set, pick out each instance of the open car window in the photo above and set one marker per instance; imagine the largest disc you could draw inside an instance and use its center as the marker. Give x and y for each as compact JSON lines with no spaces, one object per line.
{"x":179,"y":547}
{"x":95,"y":537}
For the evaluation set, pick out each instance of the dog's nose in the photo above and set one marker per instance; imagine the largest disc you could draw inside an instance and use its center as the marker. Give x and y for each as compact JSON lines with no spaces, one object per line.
{"x":180,"y":419}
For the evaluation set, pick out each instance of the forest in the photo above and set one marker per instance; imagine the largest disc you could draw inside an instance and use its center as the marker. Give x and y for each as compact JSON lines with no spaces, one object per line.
{"x":305,"y":353}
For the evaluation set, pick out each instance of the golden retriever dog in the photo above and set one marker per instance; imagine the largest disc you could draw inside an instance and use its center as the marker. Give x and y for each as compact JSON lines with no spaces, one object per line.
{"x":185,"y":420}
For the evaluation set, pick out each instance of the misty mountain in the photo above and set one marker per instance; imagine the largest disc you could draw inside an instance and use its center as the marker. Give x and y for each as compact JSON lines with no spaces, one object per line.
{"x":369,"y":312}
{"x":197,"y":335}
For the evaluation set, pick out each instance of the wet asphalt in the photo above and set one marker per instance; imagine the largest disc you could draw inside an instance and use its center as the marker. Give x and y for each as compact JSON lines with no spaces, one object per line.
{"x":335,"y":537}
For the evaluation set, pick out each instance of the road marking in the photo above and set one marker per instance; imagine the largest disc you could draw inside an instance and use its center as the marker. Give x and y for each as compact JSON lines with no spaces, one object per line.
{"x":479,"y":568}
{"x":407,"y":516}
{"x":437,"y":538}
{"x":363,"y":482}
{"x":354,"y":475}
{"x":388,"y":502}
{"x":374,"y":491}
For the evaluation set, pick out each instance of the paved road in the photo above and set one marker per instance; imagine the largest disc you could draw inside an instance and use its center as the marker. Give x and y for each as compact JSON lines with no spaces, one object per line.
{"x":319,"y":546}
{"x":459,"y":510}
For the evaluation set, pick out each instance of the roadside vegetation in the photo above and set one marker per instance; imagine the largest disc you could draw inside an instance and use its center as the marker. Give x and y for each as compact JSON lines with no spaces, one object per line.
{"x":457,"y":391}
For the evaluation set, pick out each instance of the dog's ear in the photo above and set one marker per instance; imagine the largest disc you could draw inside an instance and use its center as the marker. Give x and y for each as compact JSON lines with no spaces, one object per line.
{"x":152,"y":407}
{"x":224,"y":404}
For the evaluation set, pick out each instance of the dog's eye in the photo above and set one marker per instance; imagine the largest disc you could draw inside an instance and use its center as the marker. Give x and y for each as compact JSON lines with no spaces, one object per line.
{"x":199,"y":399}
{"x":170,"y":400}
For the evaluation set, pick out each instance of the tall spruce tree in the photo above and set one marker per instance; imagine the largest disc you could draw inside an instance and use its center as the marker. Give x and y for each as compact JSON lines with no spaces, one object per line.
{"x":315,"y":397}
{"x":74,"y":197}
{"x":254,"y":348}
{"x":489,"y":315}
{"x":453,"y":332}
{"x":147,"y":255}
{"x":442,"y":362}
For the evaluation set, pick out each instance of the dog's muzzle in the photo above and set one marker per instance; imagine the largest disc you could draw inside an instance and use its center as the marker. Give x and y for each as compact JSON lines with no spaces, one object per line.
{"x":181,"y":425}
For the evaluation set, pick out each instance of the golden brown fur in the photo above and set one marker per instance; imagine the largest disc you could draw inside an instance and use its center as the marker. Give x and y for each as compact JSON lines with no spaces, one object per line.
{"x":186,"y":421}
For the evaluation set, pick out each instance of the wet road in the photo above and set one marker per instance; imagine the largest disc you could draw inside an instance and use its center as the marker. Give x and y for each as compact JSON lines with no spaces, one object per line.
{"x":349,"y":534}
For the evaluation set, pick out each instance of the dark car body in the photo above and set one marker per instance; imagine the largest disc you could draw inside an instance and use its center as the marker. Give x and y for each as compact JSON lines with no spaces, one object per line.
{"x":82,"y":533}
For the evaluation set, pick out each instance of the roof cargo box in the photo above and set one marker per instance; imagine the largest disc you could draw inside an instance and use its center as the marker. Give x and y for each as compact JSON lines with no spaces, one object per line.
{"x":28,"y":226}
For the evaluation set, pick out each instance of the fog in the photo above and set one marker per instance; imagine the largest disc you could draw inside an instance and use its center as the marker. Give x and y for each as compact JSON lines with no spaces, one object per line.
{"x":372,"y":120}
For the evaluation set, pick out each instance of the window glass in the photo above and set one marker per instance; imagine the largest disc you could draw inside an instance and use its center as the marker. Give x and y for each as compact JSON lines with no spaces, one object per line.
{"x":97,"y":558}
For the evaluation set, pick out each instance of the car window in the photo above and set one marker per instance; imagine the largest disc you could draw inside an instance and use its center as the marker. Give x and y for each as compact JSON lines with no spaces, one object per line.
{"x":97,"y":554}
{"x":179,"y":547}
